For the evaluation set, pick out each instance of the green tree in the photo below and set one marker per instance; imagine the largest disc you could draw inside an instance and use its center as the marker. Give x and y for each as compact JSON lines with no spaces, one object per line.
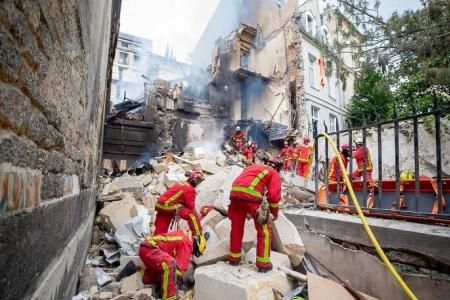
{"x":372,"y":98}
{"x":410,"y":51}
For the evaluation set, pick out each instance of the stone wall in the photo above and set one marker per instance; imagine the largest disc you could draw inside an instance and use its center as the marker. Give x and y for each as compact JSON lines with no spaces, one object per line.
{"x":54,"y":72}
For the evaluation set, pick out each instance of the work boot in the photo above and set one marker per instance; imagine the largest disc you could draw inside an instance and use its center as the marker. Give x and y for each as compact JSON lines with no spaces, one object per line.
{"x":265,"y":269}
{"x":129,"y":269}
{"x":234,"y":262}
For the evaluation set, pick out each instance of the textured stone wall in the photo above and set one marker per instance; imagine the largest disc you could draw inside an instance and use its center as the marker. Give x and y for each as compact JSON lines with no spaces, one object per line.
{"x":54,"y":71}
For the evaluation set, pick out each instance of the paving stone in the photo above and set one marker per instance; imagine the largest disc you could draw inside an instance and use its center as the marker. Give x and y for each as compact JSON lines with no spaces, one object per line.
{"x":238,"y":283}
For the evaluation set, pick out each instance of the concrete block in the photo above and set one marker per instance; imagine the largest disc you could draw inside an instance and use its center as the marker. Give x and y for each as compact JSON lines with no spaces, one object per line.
{"x":130,"y":184}
{"x":213,"y":237}
{"x":105,"y":295}
{"x":146,"y":178}
{"x":159,"y":167}
{"x":223,"y":199}
{"x":212,"y":219}
{"x":131,"y":283}
{"x":223,"y":229}
{"x":287,"y":240}
{"x":144,"y":294}
{"x":117,"y":213}
{"x":214,"y":253}
{"x":277,"y":259}
{"x":172,"y":178}
{"x":238,"y":283}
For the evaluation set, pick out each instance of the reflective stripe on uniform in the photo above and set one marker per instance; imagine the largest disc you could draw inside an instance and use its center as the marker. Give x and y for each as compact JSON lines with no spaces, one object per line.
{"x":263,"y":259}
{"x":166,"y":238}
{"x":165,"y":282}
{"x":194,"y":221}
{"x":235,"y":255}
{"x":274,"y":205}
{"x":142,"y":272}
{"x":180,"y":273}
{"x":266,"y":243}
{"x":251,"y":189}
{"x":173,"y":198}
{"x":246,"y":190}
{"x":173,"y":207}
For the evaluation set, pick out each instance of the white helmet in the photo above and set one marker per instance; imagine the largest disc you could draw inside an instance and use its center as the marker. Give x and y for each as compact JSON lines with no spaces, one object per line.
{"x":238,"y":128}
{"x":357,"y":141}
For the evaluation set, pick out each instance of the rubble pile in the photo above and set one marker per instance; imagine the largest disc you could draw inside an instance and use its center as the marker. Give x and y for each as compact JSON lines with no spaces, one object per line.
{"x":126,"y":212}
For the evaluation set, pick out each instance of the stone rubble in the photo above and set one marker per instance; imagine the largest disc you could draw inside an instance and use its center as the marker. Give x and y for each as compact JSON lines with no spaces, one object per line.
{"x":128,"y":202}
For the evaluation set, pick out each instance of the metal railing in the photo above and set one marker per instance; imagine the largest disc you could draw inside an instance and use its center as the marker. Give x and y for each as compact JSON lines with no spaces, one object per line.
{"x":370,"y":185}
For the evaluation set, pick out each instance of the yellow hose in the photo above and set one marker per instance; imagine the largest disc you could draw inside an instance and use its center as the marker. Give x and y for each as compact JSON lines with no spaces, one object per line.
{"x":372,"y":238}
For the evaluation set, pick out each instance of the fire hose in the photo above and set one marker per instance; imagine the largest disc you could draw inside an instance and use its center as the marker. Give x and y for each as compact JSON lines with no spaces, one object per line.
{"x":369,"y":232}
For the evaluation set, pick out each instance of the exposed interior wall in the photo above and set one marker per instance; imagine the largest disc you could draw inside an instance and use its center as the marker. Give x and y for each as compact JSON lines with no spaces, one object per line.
{"x":53,"y":78}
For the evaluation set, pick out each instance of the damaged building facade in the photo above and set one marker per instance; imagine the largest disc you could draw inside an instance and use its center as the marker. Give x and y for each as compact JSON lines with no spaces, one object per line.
{"x":272,"y":68}
{"x":157,"y":104}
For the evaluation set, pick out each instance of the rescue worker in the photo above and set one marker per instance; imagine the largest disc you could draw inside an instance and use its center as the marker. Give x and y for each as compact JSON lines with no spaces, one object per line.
{"x":334,"y":166}
{"x":254,"y":146}
{"x":238,"y":139}
{"x":246,"y":197}
{"x":248,"y":154}
{"x":287,"y":153}
{"x":165,"y":257}
{"x":179,"y":201}
{"x":358,"y":154}
{"x":304,"y":157}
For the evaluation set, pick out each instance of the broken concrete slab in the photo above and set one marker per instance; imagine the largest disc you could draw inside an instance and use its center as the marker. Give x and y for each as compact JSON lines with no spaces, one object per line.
{"x":299,"y":194}
{"x":131,"y":283}
{"x":223,"y":199}
{"x":214,"y":253}
{"x":172,"y":178}
{"x":213,"y":237}
{"x":116,"y":213}
{"x":105,"y":295}
{"x":287,"y":240}
{"x":146,"y":178}
{"x":238,"y":283}
{"x":130,"y":184}
{"x":159,"y":167}
{"x":223,"y":229}
{"x":320,"y":288}
{"x":144,"y":294}
{"x":277,"y":259}
{"x":212,"y":219}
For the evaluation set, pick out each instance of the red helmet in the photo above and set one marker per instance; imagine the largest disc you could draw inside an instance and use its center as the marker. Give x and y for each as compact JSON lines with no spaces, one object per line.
{"x":345,"y":147}
{"x":306,"y":139}
{"x":195,"y":177}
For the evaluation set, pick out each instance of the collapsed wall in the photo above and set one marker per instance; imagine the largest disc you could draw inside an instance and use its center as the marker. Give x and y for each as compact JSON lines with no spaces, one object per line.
{"x":54,"y":71}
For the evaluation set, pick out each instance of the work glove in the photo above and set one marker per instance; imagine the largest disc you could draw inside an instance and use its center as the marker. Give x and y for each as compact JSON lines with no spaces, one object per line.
{"x":262,"y":213}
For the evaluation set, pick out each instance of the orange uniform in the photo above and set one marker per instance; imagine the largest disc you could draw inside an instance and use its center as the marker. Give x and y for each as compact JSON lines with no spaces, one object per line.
{"x":304,"y":159}
{"x":287,"y":153}
{"x":358,"y":154}
{"x":239,"y":140}
{"x":179,"y":200}
{"x":334,"y":167}
{"x":246,"y":195}
{"x":165,"y":256}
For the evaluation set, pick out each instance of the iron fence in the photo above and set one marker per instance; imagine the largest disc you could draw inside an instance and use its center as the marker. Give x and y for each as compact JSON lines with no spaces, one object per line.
{"x":420,"y":191}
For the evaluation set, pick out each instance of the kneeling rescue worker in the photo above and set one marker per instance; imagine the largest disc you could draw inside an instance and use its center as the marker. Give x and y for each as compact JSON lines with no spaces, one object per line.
{"x":247,"y":197}
{"x":165,"y":257}
{"x":179,"y":201}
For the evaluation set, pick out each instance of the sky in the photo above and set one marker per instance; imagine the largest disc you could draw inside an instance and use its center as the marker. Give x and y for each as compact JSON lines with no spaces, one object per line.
{"x":180,"y":23}
{"x":177,"y":23}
